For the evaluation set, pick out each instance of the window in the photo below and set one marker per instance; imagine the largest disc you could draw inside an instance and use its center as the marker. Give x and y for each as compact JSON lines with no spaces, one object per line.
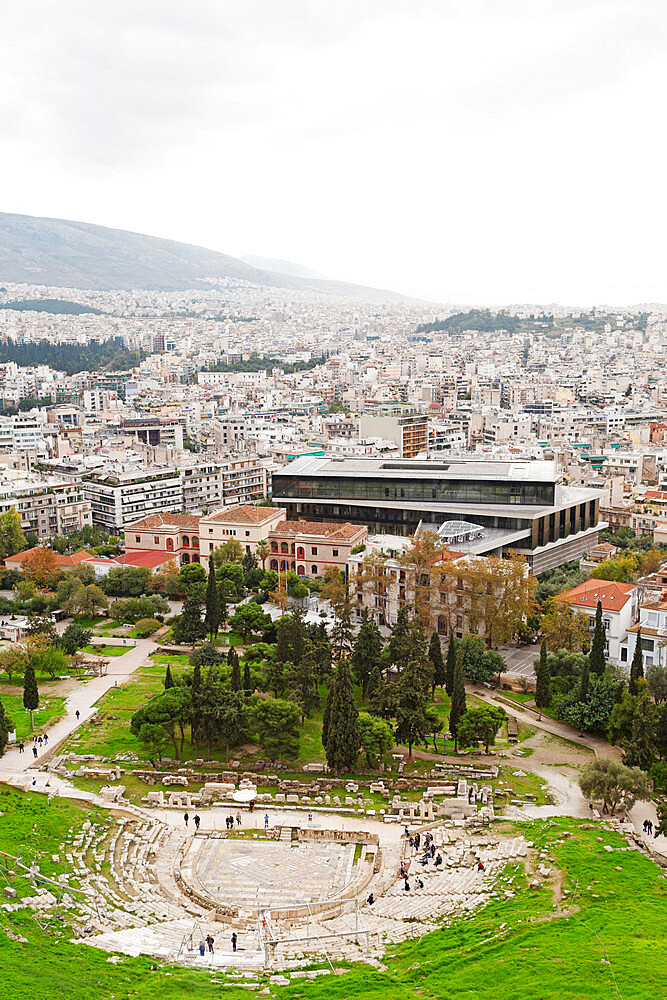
{"x":624,"y":654}
{"x":313,"y":550}
{"x":335,"y":552}
{"x":247,"y":534}
{"x":137,"y":538}
{"x":313,"y":570}
{"x":156,"y":540}
{"x":606,"y":623}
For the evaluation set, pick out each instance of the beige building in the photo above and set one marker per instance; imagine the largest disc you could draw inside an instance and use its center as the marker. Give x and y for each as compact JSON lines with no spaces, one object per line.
{"x":169,"y":532}
{"x":246,"y":523}
{"x":308,"y":547}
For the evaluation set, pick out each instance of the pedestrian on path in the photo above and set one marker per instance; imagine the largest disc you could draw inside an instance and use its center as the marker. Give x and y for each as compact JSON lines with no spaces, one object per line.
{"x":34,"y":751}
{"x":266,"y":821}
{"x":21,"y":747}
{"x":39,"y":741}
{"x":46,"y":738}
{"x":197,"y":821}
{"x":238,"y":819}
{"x":209,"y":942}
{"x":234,"y":940}
{"x":77,"y":713}
{"x":186,"y":818}
{"x":202,"y":948}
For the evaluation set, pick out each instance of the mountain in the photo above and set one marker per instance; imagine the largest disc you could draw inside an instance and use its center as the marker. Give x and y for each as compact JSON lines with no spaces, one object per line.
{"x":65,"y":254}
{"x":282,"y":267}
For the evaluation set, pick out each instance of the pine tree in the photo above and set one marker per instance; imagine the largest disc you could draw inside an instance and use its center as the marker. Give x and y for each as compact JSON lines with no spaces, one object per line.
{"x":435,"y":656}
{"x":543,"y":680}
{"x":30,"y":692}
{"x":190,"y":627}
{"x":597,"y":661}
{"x":233,"y":662}
{"x":168,"y":679}
{"x":212,"y":617}
{"x":366,"y":652}
{"x":399,"y":641}
{"x":584,"y":681}
{"x":637,"y":666}
{"x":458,"y":706}
{"x":450,"y":666}
{"x":343,"y":738}
{"x":374,"y":683}
{"x":302,"y":684}
{"x":248,"y":686}
{"x":641,"y":750}
{"x":412,"y":720}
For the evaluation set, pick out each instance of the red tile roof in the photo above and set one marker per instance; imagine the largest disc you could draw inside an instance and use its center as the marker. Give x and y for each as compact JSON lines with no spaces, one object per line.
{"x":345,"y":532}
{"x":166,"y":520}
{"x":244,"y":513}
{"x":611,"y":595}
{"x":63,"y":562}
{"x":144,"y":557}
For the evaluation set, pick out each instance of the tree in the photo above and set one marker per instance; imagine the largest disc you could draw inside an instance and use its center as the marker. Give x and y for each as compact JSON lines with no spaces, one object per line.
{"x":623,"y":568}
{"x":439,"y":675}
{"x":168,"y":679}
{"x":262,"y":551}
{"x":126,"y":581}
{"x":12,"y":537}
{"x":471,"y":653}
{"x":492,"y":666}
{"x":591,"y":714}
{"x":450,"y":666}
{"x":212,"y":616}
{"x":190,"y":574}
{"x":88,"y":601}
{"x":342,"y":735}
{"x":230,"y":551}
{"x":206,"y":655}
{"x":248,"y":685}
{"x":641,"y":749}
{"x":376,"y":738}
{"x":458,"y":706}
{"x":155,"y":738}
{"x":229,"y":717}
{"x":656,"y":678}
{"x":277,"y":724}
{"x":230,"y":579}
{"x":189,"y":626}
{"x":412,"y":723}
{"x":30,"y":692}
{"x":4,"y":729}
{"x":341,"y":632}
{"x":480,"y":725}
{"x":620,"y":721}
{"x":637,"y":665}
{"x":597,"y":660}
{"x":366,"y":651}
{"x":195,"y":707}
{"x":169,"y":710}
{"x":614,"y":783}
{"x":145,"y":627}
{"x":292,"y":638}
{"x":584,"y":681}
{"x":661,"y":827}
{"x":302,"y":684}
{"x":41,"y":566}
{"x":74,"y":637}
{"x":564,"y":629}
{"x":235,"y":665}
{"x":249,"y":619}
{"x":399,"y":641}
{"x":52,"y":661}
{"x":334,"y":590}
{"x":543,"y":680}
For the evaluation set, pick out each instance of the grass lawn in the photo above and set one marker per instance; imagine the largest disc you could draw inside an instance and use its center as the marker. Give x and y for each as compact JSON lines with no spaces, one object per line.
{"x":609,"y":932}
{"x":51,"y":708}
{"x":106,"y":649}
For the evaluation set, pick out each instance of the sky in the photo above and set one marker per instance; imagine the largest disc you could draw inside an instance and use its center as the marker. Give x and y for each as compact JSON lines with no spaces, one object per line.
{"x":463,"y":151}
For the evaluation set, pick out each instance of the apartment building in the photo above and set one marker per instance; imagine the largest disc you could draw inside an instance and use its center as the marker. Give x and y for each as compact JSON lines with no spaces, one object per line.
{"x":171,"y":533}
{"x":406,"y":427}
{"x":618,"y":607}
{"x":653,"y":625}
{"x":46,"y":506}
{"x":119,"y":497}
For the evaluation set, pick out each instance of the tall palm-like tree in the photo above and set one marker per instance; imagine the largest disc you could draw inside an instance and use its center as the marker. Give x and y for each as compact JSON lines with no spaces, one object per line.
{"x":262,"y":551}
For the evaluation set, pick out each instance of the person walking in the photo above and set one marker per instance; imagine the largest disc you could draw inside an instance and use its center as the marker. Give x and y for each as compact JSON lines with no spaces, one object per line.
{"x":46,"y":738}
{"x":78,"y":714}
{"x":234,"y":940}
{"x":238,"y":819}
{"x":197,"y":821}
{"x":34,"y":751}
{"x":21,"y":747}
{"x":202,"y":948}
{"x":186,"y":818}
{"x":209,"y":942}
{"x":266,"y":821}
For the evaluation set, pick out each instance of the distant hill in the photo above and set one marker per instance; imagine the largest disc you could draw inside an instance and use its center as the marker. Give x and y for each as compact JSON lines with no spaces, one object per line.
{"x":57,"y":252}
{"x":50,"y":306}
{"x":282,"y":267}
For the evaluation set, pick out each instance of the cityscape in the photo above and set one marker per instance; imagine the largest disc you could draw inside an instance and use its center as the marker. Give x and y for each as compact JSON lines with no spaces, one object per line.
{"x":333,"y":616}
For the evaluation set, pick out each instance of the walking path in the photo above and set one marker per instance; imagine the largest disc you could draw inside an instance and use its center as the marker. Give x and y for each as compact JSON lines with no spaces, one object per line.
{"x":84,"y":697}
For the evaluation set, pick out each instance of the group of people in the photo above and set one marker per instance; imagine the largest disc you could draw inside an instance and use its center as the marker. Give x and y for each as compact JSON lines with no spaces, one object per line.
{"x":209,"y":942}
{"x":196,"y":820}
{"x":229,"y":821}
{"x":648,"y":827}
{"x":427,"y":845}
{"x":38,"y":742}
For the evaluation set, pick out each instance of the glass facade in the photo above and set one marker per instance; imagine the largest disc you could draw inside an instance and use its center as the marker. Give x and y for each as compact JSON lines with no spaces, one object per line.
{"x":501,"y":491}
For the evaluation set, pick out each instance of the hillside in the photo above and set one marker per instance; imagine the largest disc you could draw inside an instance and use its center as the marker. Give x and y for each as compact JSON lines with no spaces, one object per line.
{"x":282,"y":267}
{"x":65,"y":254}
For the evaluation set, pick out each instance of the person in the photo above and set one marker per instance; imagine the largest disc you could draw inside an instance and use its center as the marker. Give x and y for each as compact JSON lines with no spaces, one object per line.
{"x":202,"y":948}
{"x":238,"y":819}
{"x":371,"y":899}
{"x":417,"y":841}
{"x":438,"y":861}
{"x":480,"y":866}
{"x":46,"y":738}
{"x":34,"y":751}
{"x":406,"y":887}
{"x":645,"y":825}
{"x":650,"y":826}
{"x":266,"y":821}
{"x":234,"y":940}
{"x":310,"y":817}
{"x":77,"y":713}
{"x":197,"y":821}
{"x":432,"y":850}
{"x":419,"y":884}
{"x":252,"y":806}
{"x":209,"y":942}
{"x":404,"y":870}
{"x":40,"y":741}
{"x":186,"y":818}
{"x":21,"y":747}
{"x":407,"y":832}
{"x":227,"y":822}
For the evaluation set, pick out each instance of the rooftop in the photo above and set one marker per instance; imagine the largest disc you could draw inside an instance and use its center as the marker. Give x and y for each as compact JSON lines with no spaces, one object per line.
{"x":611,"y":595}
{"x":344,"y":532}
{"x":457,"y":468}
{"x":166,"y":520}
{"x":245,"y":513}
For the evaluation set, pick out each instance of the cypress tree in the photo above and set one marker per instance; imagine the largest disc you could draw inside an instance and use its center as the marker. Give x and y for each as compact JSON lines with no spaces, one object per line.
{"x":233,"y":661}
{"x":168,"y":679}
{"x":458,"y":706}
{"x":366,"y":652}
{"x":637,"y":666}
{"x":585,"y":680}
{"x":326,"y":715}
{"x":543,"y":679}
{"x":30,"y":692}
{"x":374,"y":683}
{"x":435,"y":656}
{"x":343,"y":740}
{"x":597,"y":648}
{"x":248,"y":686}
{"x":195,"y":707}
{"x":450,"y":666}
{"x":212,"y":617}
{"x":4,"y":729}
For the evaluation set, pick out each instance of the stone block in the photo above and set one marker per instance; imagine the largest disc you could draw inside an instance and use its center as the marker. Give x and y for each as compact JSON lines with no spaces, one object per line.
{"x":9,"y":892}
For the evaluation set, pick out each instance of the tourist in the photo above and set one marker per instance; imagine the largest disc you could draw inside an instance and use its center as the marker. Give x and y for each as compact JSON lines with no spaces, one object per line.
{"x":438,"y":861}
{"x":480,"y":866}
{"x":227,"y":822}
{"x":202,"y":948}
{"x":46,"y":738}
{"x":404,"y":870}
{"x":34,"y":751}
{"x":209,"y":942}
{"x":371,"y":899}
{"x":186,"y":818}
{"x":432,"y":850}
{"x":407,"y":832}
{"x":21,"y":747}
{"x":417,"y":841}
{"x":238,"y":819}
{"x":266,"y":821}
{"x":77,"y":713}
{"x":650,"y":826}
{"x":231,"y":822}
{"x":39,"y":741}
{"x":252,"y":806}
{"x":310,"y":817}
{"x":406,"y":887}
{"x":419,"y":883}
{"x":234,"y":940}
{"x":197,"y":821}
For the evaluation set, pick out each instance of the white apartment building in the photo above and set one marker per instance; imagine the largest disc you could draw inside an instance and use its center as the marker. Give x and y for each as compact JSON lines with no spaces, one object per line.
{"x":653,"y":624}
{"x":21,"y":433}
{"x":119,"y":497}
{"x":47,"y":506}
{"x":618,"y":611}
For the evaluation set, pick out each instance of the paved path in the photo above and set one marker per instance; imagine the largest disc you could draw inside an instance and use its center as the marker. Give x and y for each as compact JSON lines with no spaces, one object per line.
{"x":83,"y":697}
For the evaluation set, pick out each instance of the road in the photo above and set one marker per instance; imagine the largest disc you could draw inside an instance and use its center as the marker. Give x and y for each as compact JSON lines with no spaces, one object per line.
{"x":520,"y":660}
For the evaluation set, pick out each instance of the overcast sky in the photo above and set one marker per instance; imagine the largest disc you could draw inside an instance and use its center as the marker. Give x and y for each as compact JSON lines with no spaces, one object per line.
{"x":488,"y":151}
